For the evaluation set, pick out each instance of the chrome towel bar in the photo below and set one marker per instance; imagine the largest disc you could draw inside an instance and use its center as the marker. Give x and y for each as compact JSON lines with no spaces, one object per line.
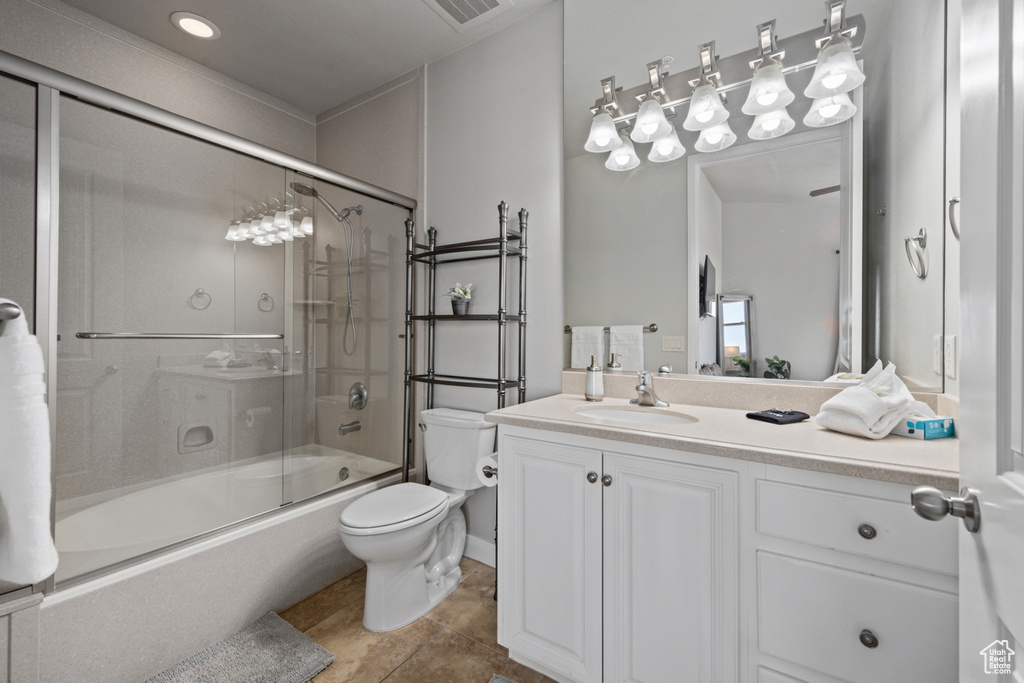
{"x":653,"y":327}
{"x":172,"y":335}
{"x":9,"y":311}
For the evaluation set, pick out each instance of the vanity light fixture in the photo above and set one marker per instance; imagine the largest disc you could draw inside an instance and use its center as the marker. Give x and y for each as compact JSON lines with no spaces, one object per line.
{"x":651,"y":123}
{"x":771,"y":124}
{"x":828,"y":111}
{"x":706,"y":104}
{"x":715,"y":138}
{"x":234,"y":230}
{"x":195,"y":25}
{"x":836,"y":71}
{"x":768,"y":89}
{"x":667,"y":148}
{"x":603,"y":134}
{"x":623,"y":157}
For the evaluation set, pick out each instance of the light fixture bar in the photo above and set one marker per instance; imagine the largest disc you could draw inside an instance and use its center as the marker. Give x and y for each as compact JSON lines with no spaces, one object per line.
{"x":768,"y":44}
{"x":734,"y":72}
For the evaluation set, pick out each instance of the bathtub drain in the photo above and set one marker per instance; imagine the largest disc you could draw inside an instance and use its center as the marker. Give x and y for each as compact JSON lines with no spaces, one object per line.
{"x":343,"y":474}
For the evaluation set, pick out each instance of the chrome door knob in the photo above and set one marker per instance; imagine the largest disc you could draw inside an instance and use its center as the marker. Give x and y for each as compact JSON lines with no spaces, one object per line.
{"x":591,"y":477}
{"x":867,"y":531}
{"x":930,"y":503}
{"x":868,"y":639}
{"x":606,"y":480}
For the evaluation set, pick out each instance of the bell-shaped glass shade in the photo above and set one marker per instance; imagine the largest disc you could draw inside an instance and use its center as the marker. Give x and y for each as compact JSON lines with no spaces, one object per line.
{"x":262,"y":241}
{"x":651,"y":123}
{"x":715,"y":138}
{"x":603,"y":134}
{"x":233,"y":233}
{"x":280,"y":219}
{"x":306,"y":226}
{"x":828,"y":111}
{"x":836,"y":71}
{"x":768,"y":90}
{"x":667,"y":148}
{"x":267,"y":224}
{"x":255,"y":226}
{"x":706,"y":109}
{"x":771,"y":124}
{"x":623,"y":158}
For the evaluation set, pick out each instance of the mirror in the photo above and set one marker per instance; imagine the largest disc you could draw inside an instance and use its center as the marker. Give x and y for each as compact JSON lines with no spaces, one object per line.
{"x":633,"y":251}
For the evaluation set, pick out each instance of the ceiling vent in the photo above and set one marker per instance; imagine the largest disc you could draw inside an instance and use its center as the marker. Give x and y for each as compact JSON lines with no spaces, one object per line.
{"x":463,"y":15}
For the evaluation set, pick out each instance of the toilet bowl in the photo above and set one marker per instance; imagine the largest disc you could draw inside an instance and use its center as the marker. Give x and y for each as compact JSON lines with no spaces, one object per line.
{"x":412,"y":536}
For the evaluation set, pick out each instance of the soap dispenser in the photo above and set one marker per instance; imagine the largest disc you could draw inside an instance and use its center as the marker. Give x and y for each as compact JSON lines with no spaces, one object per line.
{"x":614,"y":363}
{"x":595,"y":381}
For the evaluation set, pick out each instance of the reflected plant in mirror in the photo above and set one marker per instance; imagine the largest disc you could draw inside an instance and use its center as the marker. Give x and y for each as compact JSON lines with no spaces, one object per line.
{"x":793,"y":220}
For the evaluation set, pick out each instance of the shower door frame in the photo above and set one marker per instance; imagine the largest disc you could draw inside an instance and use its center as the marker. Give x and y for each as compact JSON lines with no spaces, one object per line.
{"x":50,"y":84}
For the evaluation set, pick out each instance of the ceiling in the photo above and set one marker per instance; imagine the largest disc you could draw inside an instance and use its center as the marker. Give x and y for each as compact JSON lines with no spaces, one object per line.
{"x":313,"y":54}
{"x":783,"y":176}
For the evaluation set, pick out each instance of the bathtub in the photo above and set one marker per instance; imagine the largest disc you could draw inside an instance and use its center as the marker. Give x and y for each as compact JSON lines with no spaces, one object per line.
{"x":102,"y":530}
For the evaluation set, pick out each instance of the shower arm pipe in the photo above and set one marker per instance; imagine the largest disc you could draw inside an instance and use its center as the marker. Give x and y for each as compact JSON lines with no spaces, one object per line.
{"x":108,"y":99}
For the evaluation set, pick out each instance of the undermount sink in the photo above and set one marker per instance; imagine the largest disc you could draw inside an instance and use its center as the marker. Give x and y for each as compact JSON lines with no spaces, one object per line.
{"x":653,"y":416}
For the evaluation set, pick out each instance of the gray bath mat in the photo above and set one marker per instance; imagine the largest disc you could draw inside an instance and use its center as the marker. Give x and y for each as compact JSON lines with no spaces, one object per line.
{"x":269,"y":651}
{"x":498,"y":678}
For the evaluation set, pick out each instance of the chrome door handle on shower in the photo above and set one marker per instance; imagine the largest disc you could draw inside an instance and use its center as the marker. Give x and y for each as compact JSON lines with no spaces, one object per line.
{"x":953,"y":225}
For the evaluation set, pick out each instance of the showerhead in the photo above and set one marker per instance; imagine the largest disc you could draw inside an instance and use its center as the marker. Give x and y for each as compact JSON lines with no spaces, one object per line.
{"x":303,"y":188}
{"x":310,"y":191}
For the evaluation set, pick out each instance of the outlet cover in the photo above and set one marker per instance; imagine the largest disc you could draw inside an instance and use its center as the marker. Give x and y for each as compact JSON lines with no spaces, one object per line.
{"x":950,"y":356}
{"x":673,"y":344}
{"x":937,"y":355}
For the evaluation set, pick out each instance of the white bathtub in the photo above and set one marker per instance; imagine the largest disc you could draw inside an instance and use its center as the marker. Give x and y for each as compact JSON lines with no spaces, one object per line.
{"x":109,"y":528}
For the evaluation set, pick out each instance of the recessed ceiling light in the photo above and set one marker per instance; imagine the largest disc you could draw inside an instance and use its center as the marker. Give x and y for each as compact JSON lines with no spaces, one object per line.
{"x":195,"y":25}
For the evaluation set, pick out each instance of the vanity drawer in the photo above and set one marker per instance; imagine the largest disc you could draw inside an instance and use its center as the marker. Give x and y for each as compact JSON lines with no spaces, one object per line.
{"x":834,"y":519}
{"x":814,"y":615}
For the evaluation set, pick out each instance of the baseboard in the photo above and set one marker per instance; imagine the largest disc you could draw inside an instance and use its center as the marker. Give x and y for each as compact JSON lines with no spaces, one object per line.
{"x":480,"y":550}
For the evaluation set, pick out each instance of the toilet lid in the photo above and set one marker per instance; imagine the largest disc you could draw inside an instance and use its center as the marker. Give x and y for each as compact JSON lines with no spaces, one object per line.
{"x":393,"y":505}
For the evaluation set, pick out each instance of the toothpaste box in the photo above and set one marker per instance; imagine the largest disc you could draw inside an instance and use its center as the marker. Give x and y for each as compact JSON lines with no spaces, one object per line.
{"x":917,"y":427}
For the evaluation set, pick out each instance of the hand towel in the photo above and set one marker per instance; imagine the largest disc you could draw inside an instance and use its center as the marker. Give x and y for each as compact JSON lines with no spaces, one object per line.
{"x":27,"y":553}
{"x":871,"y":409}
{"x":628,"y":342}
{"x":587,"y":342}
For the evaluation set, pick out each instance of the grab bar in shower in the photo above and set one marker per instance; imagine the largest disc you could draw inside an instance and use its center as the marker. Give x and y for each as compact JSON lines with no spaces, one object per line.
{"x":9,"y":311}
{"x":172,"y":335}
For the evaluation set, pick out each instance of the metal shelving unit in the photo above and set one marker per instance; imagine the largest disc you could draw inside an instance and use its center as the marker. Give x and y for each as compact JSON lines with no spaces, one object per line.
{"x":508,"y":244}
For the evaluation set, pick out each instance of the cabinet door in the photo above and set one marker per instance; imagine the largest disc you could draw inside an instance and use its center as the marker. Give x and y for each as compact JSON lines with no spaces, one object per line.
{"x":550,"y":556}
{"x":670,"y":563}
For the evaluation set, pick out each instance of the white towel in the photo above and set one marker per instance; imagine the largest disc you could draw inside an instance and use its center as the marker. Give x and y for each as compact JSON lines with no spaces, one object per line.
{"x":628,"y":342}
{"x":587,"y":342}
{"x":871,"y":409}
{"x":27,"y":553}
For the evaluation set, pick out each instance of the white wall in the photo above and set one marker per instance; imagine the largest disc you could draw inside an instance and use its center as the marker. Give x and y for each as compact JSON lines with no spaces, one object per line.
{"x":494,"y":132}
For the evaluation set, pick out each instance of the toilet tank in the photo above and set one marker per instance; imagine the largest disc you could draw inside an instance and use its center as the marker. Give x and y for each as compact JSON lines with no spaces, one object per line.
{"x":452,"y":443}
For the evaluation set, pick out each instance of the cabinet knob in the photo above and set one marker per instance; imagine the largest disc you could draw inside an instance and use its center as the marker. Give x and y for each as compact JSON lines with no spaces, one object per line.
{"x":867,"y":531}
{"x":868,"y":639}
{"x":591,"y":477}
{"x":606,"y":480}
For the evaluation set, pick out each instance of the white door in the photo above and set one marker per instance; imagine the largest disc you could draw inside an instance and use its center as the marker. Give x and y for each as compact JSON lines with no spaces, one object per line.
{"x":992,"y":359}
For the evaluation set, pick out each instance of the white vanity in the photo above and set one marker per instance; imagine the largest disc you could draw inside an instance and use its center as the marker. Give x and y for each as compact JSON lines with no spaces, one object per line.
{"x":720,"y":550}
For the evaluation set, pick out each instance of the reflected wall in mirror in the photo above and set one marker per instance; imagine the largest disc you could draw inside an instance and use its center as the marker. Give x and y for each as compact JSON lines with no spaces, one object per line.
{"x":628,"y":257}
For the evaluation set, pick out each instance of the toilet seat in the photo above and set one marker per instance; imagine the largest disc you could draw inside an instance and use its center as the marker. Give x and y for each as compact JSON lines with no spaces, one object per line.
{"x":393,"y":508}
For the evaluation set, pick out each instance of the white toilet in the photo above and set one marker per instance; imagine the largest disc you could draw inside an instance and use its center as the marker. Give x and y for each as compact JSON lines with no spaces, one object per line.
{"x":412,"y":536}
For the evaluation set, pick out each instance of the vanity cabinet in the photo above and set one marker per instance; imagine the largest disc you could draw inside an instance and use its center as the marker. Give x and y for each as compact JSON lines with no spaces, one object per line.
{"x":617,"y":565}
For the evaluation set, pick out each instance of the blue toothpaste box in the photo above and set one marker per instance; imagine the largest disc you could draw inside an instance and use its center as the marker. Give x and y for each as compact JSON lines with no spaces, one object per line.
{"x":917,"y":427}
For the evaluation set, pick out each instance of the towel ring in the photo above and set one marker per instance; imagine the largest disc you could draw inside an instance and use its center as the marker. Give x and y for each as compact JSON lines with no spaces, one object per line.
{"x":916,"y":253}
{"x":197,"y":298}
{"x":953,"y":224}
{"x":266,"y":303}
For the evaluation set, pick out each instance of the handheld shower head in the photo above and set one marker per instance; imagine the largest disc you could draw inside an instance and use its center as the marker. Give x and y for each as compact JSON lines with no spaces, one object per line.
{"x":358,"y":209}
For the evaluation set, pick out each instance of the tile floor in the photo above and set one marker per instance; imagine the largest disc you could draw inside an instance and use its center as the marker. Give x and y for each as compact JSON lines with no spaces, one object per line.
{"x":454,"y":643}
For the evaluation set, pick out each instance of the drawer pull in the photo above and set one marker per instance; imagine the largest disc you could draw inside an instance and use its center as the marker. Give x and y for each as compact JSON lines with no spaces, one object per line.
{"x":868,"y":639}
{"x":591,"y":477}
{"x":606,"y":480}
{"x":867,"y":531}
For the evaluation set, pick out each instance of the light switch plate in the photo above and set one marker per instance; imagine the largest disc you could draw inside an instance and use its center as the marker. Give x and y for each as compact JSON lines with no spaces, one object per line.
{"x":673,"y":344}
{"x":950,"y":356}
{"x":937,"y":355}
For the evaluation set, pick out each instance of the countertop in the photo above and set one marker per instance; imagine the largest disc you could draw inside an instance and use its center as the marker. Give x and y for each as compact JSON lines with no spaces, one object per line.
{"x":728,"y":433}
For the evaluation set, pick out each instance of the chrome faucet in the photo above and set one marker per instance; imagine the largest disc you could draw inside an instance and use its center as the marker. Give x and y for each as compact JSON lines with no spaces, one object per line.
{"x":645,"y":391}
{"x":350,"y":427}
{"x":267,"y":358}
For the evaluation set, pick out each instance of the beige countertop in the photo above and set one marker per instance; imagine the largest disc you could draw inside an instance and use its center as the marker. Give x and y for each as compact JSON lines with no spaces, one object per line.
{"x":727,"y":432}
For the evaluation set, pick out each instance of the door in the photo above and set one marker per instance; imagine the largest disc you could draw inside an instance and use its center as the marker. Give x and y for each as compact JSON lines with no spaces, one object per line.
{"x":992,"y":360}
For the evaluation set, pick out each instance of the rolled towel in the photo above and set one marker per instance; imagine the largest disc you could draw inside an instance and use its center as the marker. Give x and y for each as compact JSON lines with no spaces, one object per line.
{"x":27,"y":553}
{"x":628,"y":342}
{"x":871,"y":409}
{"x":587,"y":342}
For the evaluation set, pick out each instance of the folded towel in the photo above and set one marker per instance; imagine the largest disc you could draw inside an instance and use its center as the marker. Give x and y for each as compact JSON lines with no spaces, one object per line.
{"x":628,"y":342}
{"x":587,"y":342}
{"x":871,"y":409}
{"x":219,"y":359}
{"x":27,"y":553}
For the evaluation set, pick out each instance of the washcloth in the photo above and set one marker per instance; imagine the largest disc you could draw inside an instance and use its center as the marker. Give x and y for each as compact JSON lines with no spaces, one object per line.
{"x":219,"y":359}
{"x":628,"y":342}
{"x":27,"y":553}
{"x":587,"y":342}
{"x":871,"y":409}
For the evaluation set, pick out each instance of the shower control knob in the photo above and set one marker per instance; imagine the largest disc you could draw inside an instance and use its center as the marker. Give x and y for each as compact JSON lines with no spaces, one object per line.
{"x":606,"y":480}
{"x":592,"y":477}
{"x":867,"y":531}
{"x":868,"y":639}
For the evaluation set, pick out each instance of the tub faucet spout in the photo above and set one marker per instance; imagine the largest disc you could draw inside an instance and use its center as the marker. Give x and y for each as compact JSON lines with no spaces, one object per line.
{"x":350,"y":427}
{"x":645,"y":391}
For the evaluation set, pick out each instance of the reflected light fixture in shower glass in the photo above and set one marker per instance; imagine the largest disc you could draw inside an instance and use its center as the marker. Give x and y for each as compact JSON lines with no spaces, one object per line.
{"x":235,"y":232}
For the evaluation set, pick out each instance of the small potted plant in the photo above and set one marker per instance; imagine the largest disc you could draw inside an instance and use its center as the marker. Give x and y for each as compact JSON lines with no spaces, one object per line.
{"x":777,"y":368}
{"x":460,"y":296}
